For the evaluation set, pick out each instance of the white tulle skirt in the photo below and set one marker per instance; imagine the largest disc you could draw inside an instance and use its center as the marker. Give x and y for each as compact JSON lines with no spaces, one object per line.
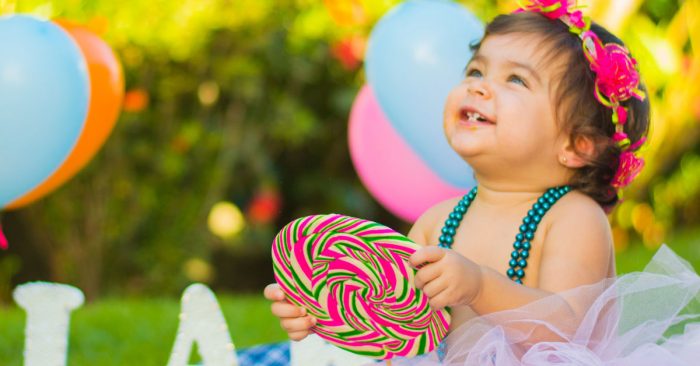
{"x":643,"y":318}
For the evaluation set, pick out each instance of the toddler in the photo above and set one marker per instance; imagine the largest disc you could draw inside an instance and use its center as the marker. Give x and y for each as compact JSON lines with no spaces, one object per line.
{"x":550,"y":116}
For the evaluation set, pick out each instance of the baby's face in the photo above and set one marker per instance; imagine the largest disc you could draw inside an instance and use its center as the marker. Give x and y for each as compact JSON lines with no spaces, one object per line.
{"x":502,"y":113}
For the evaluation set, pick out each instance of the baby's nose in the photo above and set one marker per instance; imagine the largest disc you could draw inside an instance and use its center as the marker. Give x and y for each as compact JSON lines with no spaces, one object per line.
{"x":479,"y":88}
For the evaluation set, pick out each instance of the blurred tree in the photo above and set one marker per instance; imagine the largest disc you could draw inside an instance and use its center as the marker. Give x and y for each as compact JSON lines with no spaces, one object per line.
{"x":226,"y":98}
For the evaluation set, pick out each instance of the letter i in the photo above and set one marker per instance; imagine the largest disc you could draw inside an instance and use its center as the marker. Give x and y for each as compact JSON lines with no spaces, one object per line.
{"x":48,"y":307}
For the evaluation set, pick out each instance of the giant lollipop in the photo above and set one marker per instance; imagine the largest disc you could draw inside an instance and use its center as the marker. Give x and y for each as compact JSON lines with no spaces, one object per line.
{"x":353,"y":276}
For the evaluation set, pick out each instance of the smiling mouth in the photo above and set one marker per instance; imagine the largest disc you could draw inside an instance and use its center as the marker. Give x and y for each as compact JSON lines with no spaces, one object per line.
{"x":471,"y":117}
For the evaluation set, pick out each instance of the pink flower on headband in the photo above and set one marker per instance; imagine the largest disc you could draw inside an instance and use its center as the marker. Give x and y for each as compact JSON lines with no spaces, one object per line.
{"x":630,"y":166}
{"x":617,"y":78}
{"x":577,"y":19}
{"x":552,"y":9}
{"x":555,"y":9}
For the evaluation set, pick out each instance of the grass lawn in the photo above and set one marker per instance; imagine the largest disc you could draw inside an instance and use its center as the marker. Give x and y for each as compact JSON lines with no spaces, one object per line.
{"x":142,"y":331}
{"x":139,"y":331}
{"x":685,"y":243}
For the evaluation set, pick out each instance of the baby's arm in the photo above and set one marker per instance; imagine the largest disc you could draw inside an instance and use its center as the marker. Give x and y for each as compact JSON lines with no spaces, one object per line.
{"x":422,"y":229}
{"x":577,"y":251}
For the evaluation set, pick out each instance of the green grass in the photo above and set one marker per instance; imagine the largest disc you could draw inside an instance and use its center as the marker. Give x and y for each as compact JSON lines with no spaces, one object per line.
{"x":686,"y":244}
{"x":139,"y":331}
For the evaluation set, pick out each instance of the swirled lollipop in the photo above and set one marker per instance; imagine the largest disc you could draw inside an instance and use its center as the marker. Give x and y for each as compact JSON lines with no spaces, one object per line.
{"x":353,"y":275}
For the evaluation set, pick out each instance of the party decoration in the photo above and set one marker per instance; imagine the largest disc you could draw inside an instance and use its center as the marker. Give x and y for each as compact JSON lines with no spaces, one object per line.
{"x":389,"y":169}
{"x":44,"y":94}
{"x":354,"y":277}
{"x":201,"y":321}
{"x":106,"y":93}
{"x":416,"y":54}
{"x":48,"y":307}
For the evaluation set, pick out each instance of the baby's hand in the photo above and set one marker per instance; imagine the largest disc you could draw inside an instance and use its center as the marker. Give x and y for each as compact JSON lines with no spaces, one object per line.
{"x":446,"y":277}
{"x":293,"y":319}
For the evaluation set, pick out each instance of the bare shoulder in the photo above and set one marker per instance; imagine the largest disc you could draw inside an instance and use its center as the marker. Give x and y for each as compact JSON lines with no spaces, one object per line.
{"x":578,"y":247}
{"x":578,"y":208}
{"x":430,"y":219}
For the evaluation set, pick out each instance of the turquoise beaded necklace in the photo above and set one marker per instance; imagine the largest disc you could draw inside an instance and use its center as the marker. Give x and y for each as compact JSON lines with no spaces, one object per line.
{"x":522,"y":245}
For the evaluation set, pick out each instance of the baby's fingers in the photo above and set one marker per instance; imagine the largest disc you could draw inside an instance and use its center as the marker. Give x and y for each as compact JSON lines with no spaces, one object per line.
{"x":427,"y":274}
{"x":297,"y":336}
{"x":273,"y":292}
{"x":283,"y":309}
{"x":426,"y":255}
{"x":294,"y":325}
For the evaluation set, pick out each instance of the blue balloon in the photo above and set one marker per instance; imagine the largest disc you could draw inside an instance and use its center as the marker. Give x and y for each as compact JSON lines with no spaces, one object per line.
{"x":44,"y":96}
{"x":416,"y":54}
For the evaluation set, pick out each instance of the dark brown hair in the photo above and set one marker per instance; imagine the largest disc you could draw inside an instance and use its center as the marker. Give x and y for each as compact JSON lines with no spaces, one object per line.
{"x":578,"y":112}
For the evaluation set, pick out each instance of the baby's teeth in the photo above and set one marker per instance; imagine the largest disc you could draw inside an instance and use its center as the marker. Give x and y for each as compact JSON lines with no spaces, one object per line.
{"x":473,"y":116}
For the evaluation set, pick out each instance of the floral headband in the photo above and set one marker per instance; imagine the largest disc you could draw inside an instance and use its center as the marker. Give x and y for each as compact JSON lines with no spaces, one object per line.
{"x":617,"y":77}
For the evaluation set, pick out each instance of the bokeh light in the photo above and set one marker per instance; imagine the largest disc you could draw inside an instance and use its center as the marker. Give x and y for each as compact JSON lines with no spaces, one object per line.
{"x":198,"y":270}
{"x":226,"y":220}
{"x":208,"y":93}
{"x":135,"y":100}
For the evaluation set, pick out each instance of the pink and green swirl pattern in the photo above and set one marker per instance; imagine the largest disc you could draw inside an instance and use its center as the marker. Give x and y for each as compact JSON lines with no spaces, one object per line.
{"x":353,"y":275}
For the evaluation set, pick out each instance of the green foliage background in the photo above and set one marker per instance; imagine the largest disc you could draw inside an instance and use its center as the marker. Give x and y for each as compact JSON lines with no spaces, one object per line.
{"x":129,"y":223}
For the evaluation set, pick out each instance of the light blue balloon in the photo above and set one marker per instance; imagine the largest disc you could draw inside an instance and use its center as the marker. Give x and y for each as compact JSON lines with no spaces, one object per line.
{"x":416,"y":54}
{"x":44,"y":96}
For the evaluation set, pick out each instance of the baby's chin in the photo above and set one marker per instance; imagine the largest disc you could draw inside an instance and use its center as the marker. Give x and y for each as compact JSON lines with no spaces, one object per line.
{"x":467,"y":146}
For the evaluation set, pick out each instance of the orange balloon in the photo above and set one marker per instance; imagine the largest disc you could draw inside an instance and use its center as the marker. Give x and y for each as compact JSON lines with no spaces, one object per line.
{"x":106,"y":93}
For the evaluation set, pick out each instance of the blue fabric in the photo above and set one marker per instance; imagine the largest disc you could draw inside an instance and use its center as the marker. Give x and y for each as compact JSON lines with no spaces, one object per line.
{"x":273,"y":354}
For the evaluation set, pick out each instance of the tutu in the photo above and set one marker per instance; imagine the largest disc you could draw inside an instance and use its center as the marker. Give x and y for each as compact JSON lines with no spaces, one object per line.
{"x":642,"y":318}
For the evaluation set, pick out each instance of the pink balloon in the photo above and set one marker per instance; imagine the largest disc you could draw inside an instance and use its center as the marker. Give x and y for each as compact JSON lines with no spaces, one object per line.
{"x":387,"y":166}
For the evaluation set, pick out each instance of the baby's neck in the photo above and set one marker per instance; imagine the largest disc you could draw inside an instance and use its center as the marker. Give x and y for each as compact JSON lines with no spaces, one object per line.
{"x":505,"y":198}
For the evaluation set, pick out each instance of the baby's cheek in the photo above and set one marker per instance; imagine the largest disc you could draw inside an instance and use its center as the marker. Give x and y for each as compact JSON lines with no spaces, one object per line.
{"x":451,"y":108}
{"x":518,"y":144}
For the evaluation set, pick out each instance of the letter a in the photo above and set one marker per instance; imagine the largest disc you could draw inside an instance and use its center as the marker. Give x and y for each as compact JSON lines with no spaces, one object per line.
{"x":201,"y":321}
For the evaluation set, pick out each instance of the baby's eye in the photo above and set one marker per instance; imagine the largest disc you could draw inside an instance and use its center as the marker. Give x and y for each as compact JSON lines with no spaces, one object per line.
{"x":517,"y":79}
{"x":474,"y":73}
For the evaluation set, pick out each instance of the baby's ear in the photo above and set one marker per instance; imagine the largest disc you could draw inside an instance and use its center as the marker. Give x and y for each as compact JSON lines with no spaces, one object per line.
{"x":578,"y":154}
